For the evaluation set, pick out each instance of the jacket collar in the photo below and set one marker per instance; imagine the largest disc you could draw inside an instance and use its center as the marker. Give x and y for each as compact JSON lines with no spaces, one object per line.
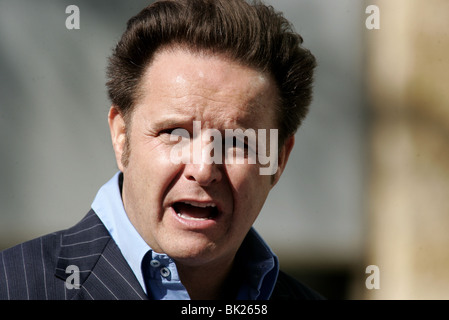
{"x":103,"y":271}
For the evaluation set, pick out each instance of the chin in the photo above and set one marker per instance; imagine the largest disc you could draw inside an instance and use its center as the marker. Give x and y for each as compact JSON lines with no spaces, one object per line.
{"x":194,"y":251}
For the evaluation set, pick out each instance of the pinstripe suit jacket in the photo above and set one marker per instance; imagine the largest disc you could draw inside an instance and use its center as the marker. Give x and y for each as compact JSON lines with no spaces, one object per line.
{"x":36,"y":270}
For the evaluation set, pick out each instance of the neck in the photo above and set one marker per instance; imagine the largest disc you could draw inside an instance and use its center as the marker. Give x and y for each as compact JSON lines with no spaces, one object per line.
{"x":205,"y":282}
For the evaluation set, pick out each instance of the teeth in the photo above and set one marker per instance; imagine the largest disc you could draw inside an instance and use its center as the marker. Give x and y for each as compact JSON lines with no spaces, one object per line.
{"x":198,"y":205}
{"x":201,"y":205}
{"x":191,"y":218}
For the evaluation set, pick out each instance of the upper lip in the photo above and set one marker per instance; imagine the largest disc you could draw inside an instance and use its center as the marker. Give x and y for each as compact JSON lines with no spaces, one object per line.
{"x":201,"y":203}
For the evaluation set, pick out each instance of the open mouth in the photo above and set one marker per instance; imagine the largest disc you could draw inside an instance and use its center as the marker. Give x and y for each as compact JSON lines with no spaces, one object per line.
{"x":192,"y":210}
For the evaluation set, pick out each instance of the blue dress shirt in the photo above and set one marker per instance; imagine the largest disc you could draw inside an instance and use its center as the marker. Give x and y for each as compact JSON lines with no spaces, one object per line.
{"x":257,"y":267}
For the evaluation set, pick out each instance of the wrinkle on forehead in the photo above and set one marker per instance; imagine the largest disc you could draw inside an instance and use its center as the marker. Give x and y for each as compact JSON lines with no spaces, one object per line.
{"x":209,"y":84}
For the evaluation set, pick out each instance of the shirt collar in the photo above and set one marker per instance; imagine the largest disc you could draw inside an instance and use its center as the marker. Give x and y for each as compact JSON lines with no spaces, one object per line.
{"x":108,"y":206}
{"x":259,"y":267}
{"x":257,"y":264}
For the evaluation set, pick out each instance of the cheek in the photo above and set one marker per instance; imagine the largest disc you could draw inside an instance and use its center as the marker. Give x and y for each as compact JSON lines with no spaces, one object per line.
{"x":250,"y":189}
{"x":149,"y":154}
{"x":150,"y":168}
{"x":244,"y":176}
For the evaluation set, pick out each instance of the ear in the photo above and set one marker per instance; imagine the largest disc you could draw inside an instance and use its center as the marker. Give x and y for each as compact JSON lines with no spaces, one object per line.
{"x":283,"y":158}
{"x":117,"y":128}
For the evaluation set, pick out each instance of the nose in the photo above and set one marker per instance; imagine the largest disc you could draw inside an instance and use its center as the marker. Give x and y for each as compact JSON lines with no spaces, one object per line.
{"x":201,"y":167}
{"x":204,"y":174}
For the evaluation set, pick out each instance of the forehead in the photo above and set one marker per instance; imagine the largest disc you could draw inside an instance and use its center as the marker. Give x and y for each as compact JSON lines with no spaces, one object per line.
{"x":207,"y":87}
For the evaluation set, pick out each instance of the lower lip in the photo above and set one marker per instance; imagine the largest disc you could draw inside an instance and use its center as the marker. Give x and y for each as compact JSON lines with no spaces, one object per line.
{"x":195,"y":224}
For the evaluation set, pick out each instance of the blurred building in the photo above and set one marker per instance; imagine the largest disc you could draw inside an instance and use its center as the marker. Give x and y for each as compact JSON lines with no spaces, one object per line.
{"x":408,"y":85}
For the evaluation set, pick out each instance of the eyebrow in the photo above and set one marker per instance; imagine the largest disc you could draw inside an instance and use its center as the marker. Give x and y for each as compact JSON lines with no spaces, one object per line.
{"x":178,"y":119}
{"x":172,"y":121}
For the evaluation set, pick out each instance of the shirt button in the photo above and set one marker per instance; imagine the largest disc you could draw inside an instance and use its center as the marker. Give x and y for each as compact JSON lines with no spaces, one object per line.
{"x":155,"y":263}
{"x":165,"y":272}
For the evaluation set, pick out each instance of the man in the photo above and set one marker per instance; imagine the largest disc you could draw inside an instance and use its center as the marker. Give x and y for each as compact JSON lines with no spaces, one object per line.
{"x":176,"y":221}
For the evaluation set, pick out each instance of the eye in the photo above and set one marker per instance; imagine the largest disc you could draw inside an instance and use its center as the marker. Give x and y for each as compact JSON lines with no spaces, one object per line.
{"x":234,"y":142}
{"x":174,"y":135}
{"x":237,"y":147}
{"x":167,"y":131}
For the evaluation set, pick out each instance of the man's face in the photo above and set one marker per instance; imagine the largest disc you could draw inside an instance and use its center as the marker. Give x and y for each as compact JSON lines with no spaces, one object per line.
{"x":197,"y":213}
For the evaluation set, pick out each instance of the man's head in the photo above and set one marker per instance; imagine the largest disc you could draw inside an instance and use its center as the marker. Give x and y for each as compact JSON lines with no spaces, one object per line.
{"x":226,"y":65}
{"x":254,"y":35}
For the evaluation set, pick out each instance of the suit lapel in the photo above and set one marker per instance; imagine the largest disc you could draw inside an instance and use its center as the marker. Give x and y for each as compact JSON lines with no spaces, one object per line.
{"x":103,"y":271}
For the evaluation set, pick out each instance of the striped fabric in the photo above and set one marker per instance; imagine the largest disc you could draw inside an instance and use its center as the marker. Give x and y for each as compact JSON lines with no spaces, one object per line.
{"x":38,"y":269}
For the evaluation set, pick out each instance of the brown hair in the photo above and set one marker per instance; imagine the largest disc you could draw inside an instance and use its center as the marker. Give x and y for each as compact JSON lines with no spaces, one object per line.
{"x":254,"y":35}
